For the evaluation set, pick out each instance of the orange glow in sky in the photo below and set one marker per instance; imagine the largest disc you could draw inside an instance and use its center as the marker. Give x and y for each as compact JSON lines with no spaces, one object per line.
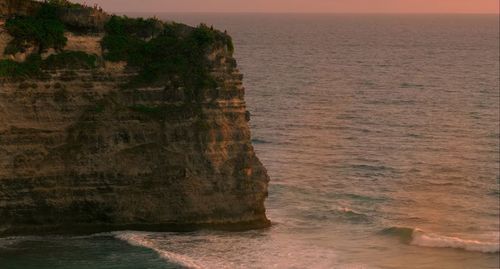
{"x":302,"y":6}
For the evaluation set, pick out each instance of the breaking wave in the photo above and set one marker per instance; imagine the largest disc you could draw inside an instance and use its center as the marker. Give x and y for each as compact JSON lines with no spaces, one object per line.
{"x":141,"y":240}
{"x":219,"y":250}
{"x":417,"y":237}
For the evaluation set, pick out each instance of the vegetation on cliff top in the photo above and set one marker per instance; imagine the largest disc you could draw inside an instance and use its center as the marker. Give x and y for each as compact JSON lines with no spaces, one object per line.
{"x":44,"y":30}
{"x":30,"y":67}
{"x":168,"y":54}
{"x":163,"y":53}
{"x":70,"y":60}
{"x":34,"y":66}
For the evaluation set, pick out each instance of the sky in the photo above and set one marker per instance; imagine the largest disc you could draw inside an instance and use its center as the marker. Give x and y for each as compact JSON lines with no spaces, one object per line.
{"x":300,"y":6}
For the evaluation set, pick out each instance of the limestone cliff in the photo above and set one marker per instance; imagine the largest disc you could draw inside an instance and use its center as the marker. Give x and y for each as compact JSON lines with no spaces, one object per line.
{"x":99,"y":144}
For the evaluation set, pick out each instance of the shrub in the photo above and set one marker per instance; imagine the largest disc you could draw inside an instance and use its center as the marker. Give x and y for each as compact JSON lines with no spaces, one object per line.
{"x":44,"y":30}
{"x":28,"y":68}
{"x":70,"y":60}
{"x":123,"y":48}
{"x":176,"y":55}
{"x":125,"y":38}
{"x":140,"y":28}
{"x":34,"y":65}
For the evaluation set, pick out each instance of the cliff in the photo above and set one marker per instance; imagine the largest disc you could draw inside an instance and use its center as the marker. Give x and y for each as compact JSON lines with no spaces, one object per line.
{"x":117,"y":123}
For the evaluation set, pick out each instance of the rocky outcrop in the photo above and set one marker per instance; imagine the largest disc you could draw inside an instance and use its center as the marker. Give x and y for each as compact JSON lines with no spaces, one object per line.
{"x":80,"y":152}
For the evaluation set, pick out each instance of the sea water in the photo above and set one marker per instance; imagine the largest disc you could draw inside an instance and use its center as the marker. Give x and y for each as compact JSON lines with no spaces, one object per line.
{"x":380,"y":134}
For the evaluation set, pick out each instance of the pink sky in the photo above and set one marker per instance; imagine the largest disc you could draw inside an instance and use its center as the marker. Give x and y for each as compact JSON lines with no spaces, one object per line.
{"x":327,"y":6}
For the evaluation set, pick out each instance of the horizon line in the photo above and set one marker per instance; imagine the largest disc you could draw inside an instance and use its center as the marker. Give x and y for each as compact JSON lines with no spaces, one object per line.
{"x":312,"y":13}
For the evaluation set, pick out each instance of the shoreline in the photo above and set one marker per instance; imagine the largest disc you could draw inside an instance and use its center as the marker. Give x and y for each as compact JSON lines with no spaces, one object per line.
{"x":88,"y":229}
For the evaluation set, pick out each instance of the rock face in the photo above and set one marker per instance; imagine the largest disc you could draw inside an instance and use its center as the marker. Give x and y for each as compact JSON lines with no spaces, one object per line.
{"x":79,"y":153}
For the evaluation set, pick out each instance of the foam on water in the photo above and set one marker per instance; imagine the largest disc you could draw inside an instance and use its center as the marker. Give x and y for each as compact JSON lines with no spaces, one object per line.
{"x":142,"y":240}
{"x":417,"y":237}
{"x":220,"y":250}
{"x":440,"y":241}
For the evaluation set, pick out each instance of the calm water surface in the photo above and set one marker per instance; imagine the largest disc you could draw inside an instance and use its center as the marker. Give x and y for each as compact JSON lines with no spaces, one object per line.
{"x":380,"y":134}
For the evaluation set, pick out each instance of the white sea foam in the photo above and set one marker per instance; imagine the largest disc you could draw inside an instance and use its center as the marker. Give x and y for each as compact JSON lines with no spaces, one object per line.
{"x":248,"y":250}
{"x":142,"y":240}
{"x":417,"y":237}
{"x":423,"y":239}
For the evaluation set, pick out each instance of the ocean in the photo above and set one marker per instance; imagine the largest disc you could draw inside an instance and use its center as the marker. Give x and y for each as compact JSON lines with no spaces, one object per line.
{"x":381,"y":137}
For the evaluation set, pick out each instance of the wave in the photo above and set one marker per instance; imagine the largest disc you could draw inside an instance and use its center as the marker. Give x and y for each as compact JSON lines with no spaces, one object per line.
{"x":352,"y":215}
{"x":417,"y":237}
{"x":342,"y":214}
{"x":141,"y":239}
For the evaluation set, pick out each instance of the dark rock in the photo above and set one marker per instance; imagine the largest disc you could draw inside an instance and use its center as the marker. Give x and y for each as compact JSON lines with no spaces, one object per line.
{"x":88,"y":155}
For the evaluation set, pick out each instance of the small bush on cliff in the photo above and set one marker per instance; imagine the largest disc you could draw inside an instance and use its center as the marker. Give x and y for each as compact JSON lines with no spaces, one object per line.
{"x":178,"y":60}
{"x":34,"y":65}
{"x":125,"y":38}
{"x":44,"y":30}
{"x":140,"y":28}
{"x":70,"y":60}
{"x":28,"y":68}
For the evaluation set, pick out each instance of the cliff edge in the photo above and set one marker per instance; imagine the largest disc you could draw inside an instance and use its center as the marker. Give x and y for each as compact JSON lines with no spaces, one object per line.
{"x":111,"y":123}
